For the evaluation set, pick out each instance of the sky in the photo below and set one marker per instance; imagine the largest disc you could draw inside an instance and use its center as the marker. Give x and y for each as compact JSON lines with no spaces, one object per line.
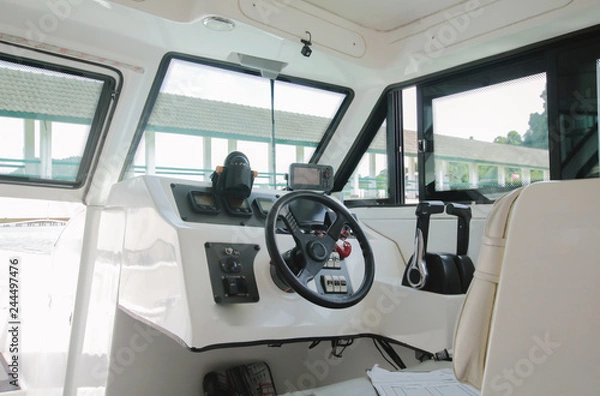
{"x":192,"y":79}
{"x":483,"y":113}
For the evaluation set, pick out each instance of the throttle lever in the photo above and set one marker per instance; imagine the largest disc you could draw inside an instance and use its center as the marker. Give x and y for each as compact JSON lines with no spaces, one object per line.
{"x":463,"y":212}
{"x":423,"y":212}
{"x":417,"y":271}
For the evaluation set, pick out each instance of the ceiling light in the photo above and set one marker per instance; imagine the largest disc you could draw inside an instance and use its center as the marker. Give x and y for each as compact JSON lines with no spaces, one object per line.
{"x":218,"y":24}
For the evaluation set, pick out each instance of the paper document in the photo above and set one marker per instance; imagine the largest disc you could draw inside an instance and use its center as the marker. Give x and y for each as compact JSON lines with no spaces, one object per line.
{"x":433,"y":383}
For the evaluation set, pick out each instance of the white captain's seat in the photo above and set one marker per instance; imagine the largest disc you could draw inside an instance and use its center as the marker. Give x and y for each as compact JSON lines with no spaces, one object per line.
{"x":530,"y":320}
{"x":545,"y":321}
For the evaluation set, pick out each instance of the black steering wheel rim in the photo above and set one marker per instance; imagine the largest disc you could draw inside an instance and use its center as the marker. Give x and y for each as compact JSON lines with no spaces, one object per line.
{"x":299,"y":282}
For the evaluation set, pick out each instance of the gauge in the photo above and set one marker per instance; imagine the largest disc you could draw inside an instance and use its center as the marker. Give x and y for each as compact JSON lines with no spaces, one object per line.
{"x":237,"y":206}
{"x":264,"y":205}
{"x":204,"y":202}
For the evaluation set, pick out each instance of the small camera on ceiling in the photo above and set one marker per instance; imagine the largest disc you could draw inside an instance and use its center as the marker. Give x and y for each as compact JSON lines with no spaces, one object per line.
{"x":306,"y":50}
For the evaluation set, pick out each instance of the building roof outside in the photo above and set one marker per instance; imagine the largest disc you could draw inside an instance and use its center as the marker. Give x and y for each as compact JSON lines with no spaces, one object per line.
{"x":28,"y":93}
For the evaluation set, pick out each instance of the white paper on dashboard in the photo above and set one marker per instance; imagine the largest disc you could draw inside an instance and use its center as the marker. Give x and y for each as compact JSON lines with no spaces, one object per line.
{"x":433,"y":383}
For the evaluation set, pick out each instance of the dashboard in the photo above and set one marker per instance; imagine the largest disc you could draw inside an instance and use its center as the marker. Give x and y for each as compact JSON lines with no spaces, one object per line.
{"x":195,"y":265}
{"x":231,"y":264}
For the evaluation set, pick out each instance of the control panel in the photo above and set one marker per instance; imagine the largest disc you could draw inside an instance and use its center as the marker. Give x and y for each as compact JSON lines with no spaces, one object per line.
{"x":231,"y":268}
{"x":200,"y":204}
{"x":334,"y":277}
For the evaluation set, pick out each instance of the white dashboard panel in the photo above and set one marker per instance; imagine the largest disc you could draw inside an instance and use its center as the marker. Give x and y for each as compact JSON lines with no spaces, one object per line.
{"x":165,"y":282}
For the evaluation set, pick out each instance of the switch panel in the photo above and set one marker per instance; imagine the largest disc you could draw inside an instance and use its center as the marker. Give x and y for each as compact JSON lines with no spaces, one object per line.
{"x":334,"y":284}
{"x":334,"y":262}
{"x":231,"y":268}
{"x":334,"y":277}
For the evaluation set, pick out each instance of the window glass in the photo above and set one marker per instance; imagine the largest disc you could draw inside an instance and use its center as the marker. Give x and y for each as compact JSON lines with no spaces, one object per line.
{"x":203,"y":112}
{"x":491,"y":138}
{"x":370,"y":178}
{"x":45,"y":121}
{"x":411,"y":168}
{"x":578,"y":80}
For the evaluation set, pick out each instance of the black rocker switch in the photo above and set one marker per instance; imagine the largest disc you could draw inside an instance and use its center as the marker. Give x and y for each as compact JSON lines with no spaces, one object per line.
{"x":235,"y":285}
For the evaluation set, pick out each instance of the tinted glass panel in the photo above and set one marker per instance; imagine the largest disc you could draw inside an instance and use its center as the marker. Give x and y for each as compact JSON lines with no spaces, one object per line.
{"x":578,"y":112}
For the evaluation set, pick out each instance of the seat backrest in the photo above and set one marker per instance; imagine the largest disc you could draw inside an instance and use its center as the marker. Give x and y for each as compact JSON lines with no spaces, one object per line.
{"x":530,"y":320}
{"x":472,"y":330}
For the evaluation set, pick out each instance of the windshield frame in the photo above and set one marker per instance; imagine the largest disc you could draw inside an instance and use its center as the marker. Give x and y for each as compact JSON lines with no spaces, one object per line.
{"x":162,"y":73}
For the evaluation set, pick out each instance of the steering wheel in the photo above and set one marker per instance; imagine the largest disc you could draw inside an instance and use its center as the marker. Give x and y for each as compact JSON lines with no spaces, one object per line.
{"x":315,"y":249}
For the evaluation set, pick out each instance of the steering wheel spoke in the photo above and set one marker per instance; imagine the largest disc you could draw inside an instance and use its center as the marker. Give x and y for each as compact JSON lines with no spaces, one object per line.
{"x":293,"y":227}
{"x":335,"y":230}
{"x":306,"y":276}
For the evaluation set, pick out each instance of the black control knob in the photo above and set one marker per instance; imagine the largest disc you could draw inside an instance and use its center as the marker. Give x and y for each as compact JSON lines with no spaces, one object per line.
{"x":231,"y":265}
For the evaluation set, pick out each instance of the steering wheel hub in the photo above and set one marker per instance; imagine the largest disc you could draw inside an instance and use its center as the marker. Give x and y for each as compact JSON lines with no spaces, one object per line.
{"x":317,"y":251}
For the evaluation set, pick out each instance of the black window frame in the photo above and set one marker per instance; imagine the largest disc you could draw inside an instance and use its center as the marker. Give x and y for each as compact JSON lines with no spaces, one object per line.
{"x":530,"y":58}
{"x":469,"y":79}
{"x":162,"y":71}
{"x":100,"y":121}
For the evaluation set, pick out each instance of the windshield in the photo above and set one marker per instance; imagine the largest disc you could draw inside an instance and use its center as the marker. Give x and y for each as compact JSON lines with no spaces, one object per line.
{"x":203,"y":112}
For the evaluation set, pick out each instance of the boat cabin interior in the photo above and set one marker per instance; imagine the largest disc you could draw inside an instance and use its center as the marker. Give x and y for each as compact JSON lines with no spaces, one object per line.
{"x":269,"y":197}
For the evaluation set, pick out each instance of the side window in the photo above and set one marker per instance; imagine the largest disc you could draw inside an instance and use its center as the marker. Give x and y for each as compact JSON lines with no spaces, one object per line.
{"x":475,"y":133}
{"x":410,"y":147}
{"x":49,"y":117}
{"x":371,"y":179}
{"x":578,"y":106}
{"x":488,"y":137}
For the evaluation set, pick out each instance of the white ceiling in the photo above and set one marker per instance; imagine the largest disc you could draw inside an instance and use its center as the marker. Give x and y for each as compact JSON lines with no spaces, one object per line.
{"x":383,"y":15}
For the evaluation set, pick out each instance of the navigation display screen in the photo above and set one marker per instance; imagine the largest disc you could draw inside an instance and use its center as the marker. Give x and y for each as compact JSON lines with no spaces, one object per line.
{"x":310,"y":177}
